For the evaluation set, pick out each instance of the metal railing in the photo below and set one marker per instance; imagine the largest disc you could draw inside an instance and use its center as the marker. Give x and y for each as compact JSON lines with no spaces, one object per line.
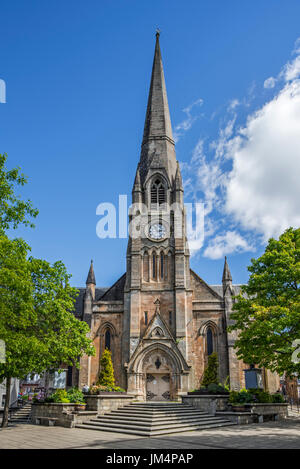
{"x":294,"y":404}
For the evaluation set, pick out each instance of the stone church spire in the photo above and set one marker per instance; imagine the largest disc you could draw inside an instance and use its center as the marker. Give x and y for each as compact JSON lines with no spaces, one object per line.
{"x":227,"y":278}
{"x":158,"y":121}
{"x":158,"y":149}
{"x":91,"y":280}
{"x":226,"y":272}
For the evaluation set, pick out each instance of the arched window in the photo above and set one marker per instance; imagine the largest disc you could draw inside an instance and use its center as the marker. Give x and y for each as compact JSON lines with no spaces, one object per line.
{"x":158,"y":193}
{"x":209,"y":341}
{"x":153,"y":265}
{"x":146,"y":267}
{"x":162,"y":265}
{"x":107,"y":339}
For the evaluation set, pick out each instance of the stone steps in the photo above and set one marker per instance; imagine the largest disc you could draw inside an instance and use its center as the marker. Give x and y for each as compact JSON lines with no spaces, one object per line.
{"x":149,"y":419}
{"x":152,"y":424}
{"x":154,"y":414}
{"x":21,"y":415}
{"x":158,"y":418}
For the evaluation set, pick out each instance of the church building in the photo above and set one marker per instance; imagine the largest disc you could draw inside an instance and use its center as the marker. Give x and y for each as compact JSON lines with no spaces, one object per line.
{"x":160,"y":320}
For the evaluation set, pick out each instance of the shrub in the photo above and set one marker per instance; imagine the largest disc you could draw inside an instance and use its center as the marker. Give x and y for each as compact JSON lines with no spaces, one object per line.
{"x":106,"y":376}
{"x":97,"y":389}
{"x":76,"y":396}
{"x":211,"y":371}
{"x":227,"y":384}
{"x":261,"y":396}
{"x":246,"y":396}
{"x":277,"y":398}
{"x":241,"y":397}
{"x":216,"y":388}
{"x":59,"y":396}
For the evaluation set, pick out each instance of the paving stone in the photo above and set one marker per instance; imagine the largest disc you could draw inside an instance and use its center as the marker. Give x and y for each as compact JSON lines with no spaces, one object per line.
{"x":271,"y":435}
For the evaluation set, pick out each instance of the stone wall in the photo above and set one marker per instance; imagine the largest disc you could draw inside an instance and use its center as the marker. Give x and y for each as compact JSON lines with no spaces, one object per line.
{"x":59,"y":414}
{"x":105,"y":403}
{"x":207,"y":403}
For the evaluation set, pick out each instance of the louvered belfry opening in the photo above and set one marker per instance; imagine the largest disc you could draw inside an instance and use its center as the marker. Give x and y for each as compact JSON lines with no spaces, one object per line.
{"x":158,"y":193}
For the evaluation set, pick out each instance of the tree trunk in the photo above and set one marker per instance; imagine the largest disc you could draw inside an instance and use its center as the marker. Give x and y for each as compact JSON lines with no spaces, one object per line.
{"x":7,"y":402}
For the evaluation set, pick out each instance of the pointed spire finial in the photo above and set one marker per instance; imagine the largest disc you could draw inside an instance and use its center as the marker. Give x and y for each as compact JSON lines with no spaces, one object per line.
{"x":137,"y":180}
{"x":91,"y":275}
{"x":226,"y":272}
{"x":158,"y":122}
{"x":158,"y":146}
{"x":178,"y":178}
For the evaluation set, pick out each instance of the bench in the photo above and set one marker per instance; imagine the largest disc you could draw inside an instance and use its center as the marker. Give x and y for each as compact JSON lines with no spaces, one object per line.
{"x":47,"y":421}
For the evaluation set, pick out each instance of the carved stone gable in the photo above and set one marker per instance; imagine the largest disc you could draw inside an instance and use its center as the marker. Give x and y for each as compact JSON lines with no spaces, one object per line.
{"x":157,"y":328}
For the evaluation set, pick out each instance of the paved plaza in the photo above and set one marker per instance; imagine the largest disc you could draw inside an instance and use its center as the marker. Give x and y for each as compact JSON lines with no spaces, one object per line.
{"x":271,"y":435}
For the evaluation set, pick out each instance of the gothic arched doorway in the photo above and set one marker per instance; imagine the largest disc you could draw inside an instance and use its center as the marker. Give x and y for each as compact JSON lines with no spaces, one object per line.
{"x":157,"y":378}
{"x":157,"y":372}
{"x":160,"y":375}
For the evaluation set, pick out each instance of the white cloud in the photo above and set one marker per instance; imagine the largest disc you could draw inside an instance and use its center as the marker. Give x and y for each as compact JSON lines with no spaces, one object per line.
{"x":259,"y":191}
{"x":263,"y":189}
{"x":233,"y":104}
{"x":291,"y":71}
{"x":228,"y":243}
{"x":270,"y":82}
{"x":187,"y":123}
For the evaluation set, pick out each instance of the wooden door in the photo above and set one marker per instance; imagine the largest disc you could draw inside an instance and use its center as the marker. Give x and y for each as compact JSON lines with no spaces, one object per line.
{"x":158,"y":387}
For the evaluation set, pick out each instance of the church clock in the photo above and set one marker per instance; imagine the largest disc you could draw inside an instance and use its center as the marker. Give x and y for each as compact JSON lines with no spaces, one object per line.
{"x":157,"y":231}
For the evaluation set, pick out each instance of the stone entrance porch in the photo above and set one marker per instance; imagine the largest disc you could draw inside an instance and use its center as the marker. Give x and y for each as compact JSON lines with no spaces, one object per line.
{"x":157,"y":373}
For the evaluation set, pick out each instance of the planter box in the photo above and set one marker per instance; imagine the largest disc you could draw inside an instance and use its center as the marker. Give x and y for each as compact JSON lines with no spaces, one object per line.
{"x":205,"y":393}
{"x":210,"y":403}
{"x":53,"y":414}
{"x":108,"y":393}
{"x":102,"y":403}
{"x":268,"y":411}
{"x":240,"y":418}
{"x":238,"y":408}
{"x":62,"y":415}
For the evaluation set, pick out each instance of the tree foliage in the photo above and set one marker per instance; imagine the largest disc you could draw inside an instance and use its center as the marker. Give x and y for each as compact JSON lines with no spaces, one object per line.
{"x":106,"y":376}
{"x":36,"y":322}
{"x":267,"y":313}
{"x":210,"y":375}
{"x":37,"y":325}
{"x":13,"y":210}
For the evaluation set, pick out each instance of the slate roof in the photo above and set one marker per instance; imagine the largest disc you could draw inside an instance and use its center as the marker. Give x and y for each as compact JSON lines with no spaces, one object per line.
{"x":78,"y":309}
{"x":219,"y":289}
{"x":116,"y":291}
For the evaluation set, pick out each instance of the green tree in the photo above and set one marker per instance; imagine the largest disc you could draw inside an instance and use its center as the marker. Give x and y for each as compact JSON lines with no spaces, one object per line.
{"x":36,"y":322}
{"x":267,"y":313}
{"x":17,"y":314}
{"x":36,"y":300}
{"x":210,"y":375}
{"x":65,"y":337}
{"x":106,"y":376}
{"x":13,"y":210}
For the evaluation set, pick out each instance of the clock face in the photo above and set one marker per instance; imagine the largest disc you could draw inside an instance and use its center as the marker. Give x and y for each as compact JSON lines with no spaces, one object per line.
{"x":157,"y":231}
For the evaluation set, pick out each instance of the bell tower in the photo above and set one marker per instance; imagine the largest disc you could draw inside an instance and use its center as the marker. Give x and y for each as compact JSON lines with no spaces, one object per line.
{"x":157,"y":254}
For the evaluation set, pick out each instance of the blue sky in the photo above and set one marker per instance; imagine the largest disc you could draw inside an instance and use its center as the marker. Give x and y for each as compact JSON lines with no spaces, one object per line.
{"x":77,"y":76}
